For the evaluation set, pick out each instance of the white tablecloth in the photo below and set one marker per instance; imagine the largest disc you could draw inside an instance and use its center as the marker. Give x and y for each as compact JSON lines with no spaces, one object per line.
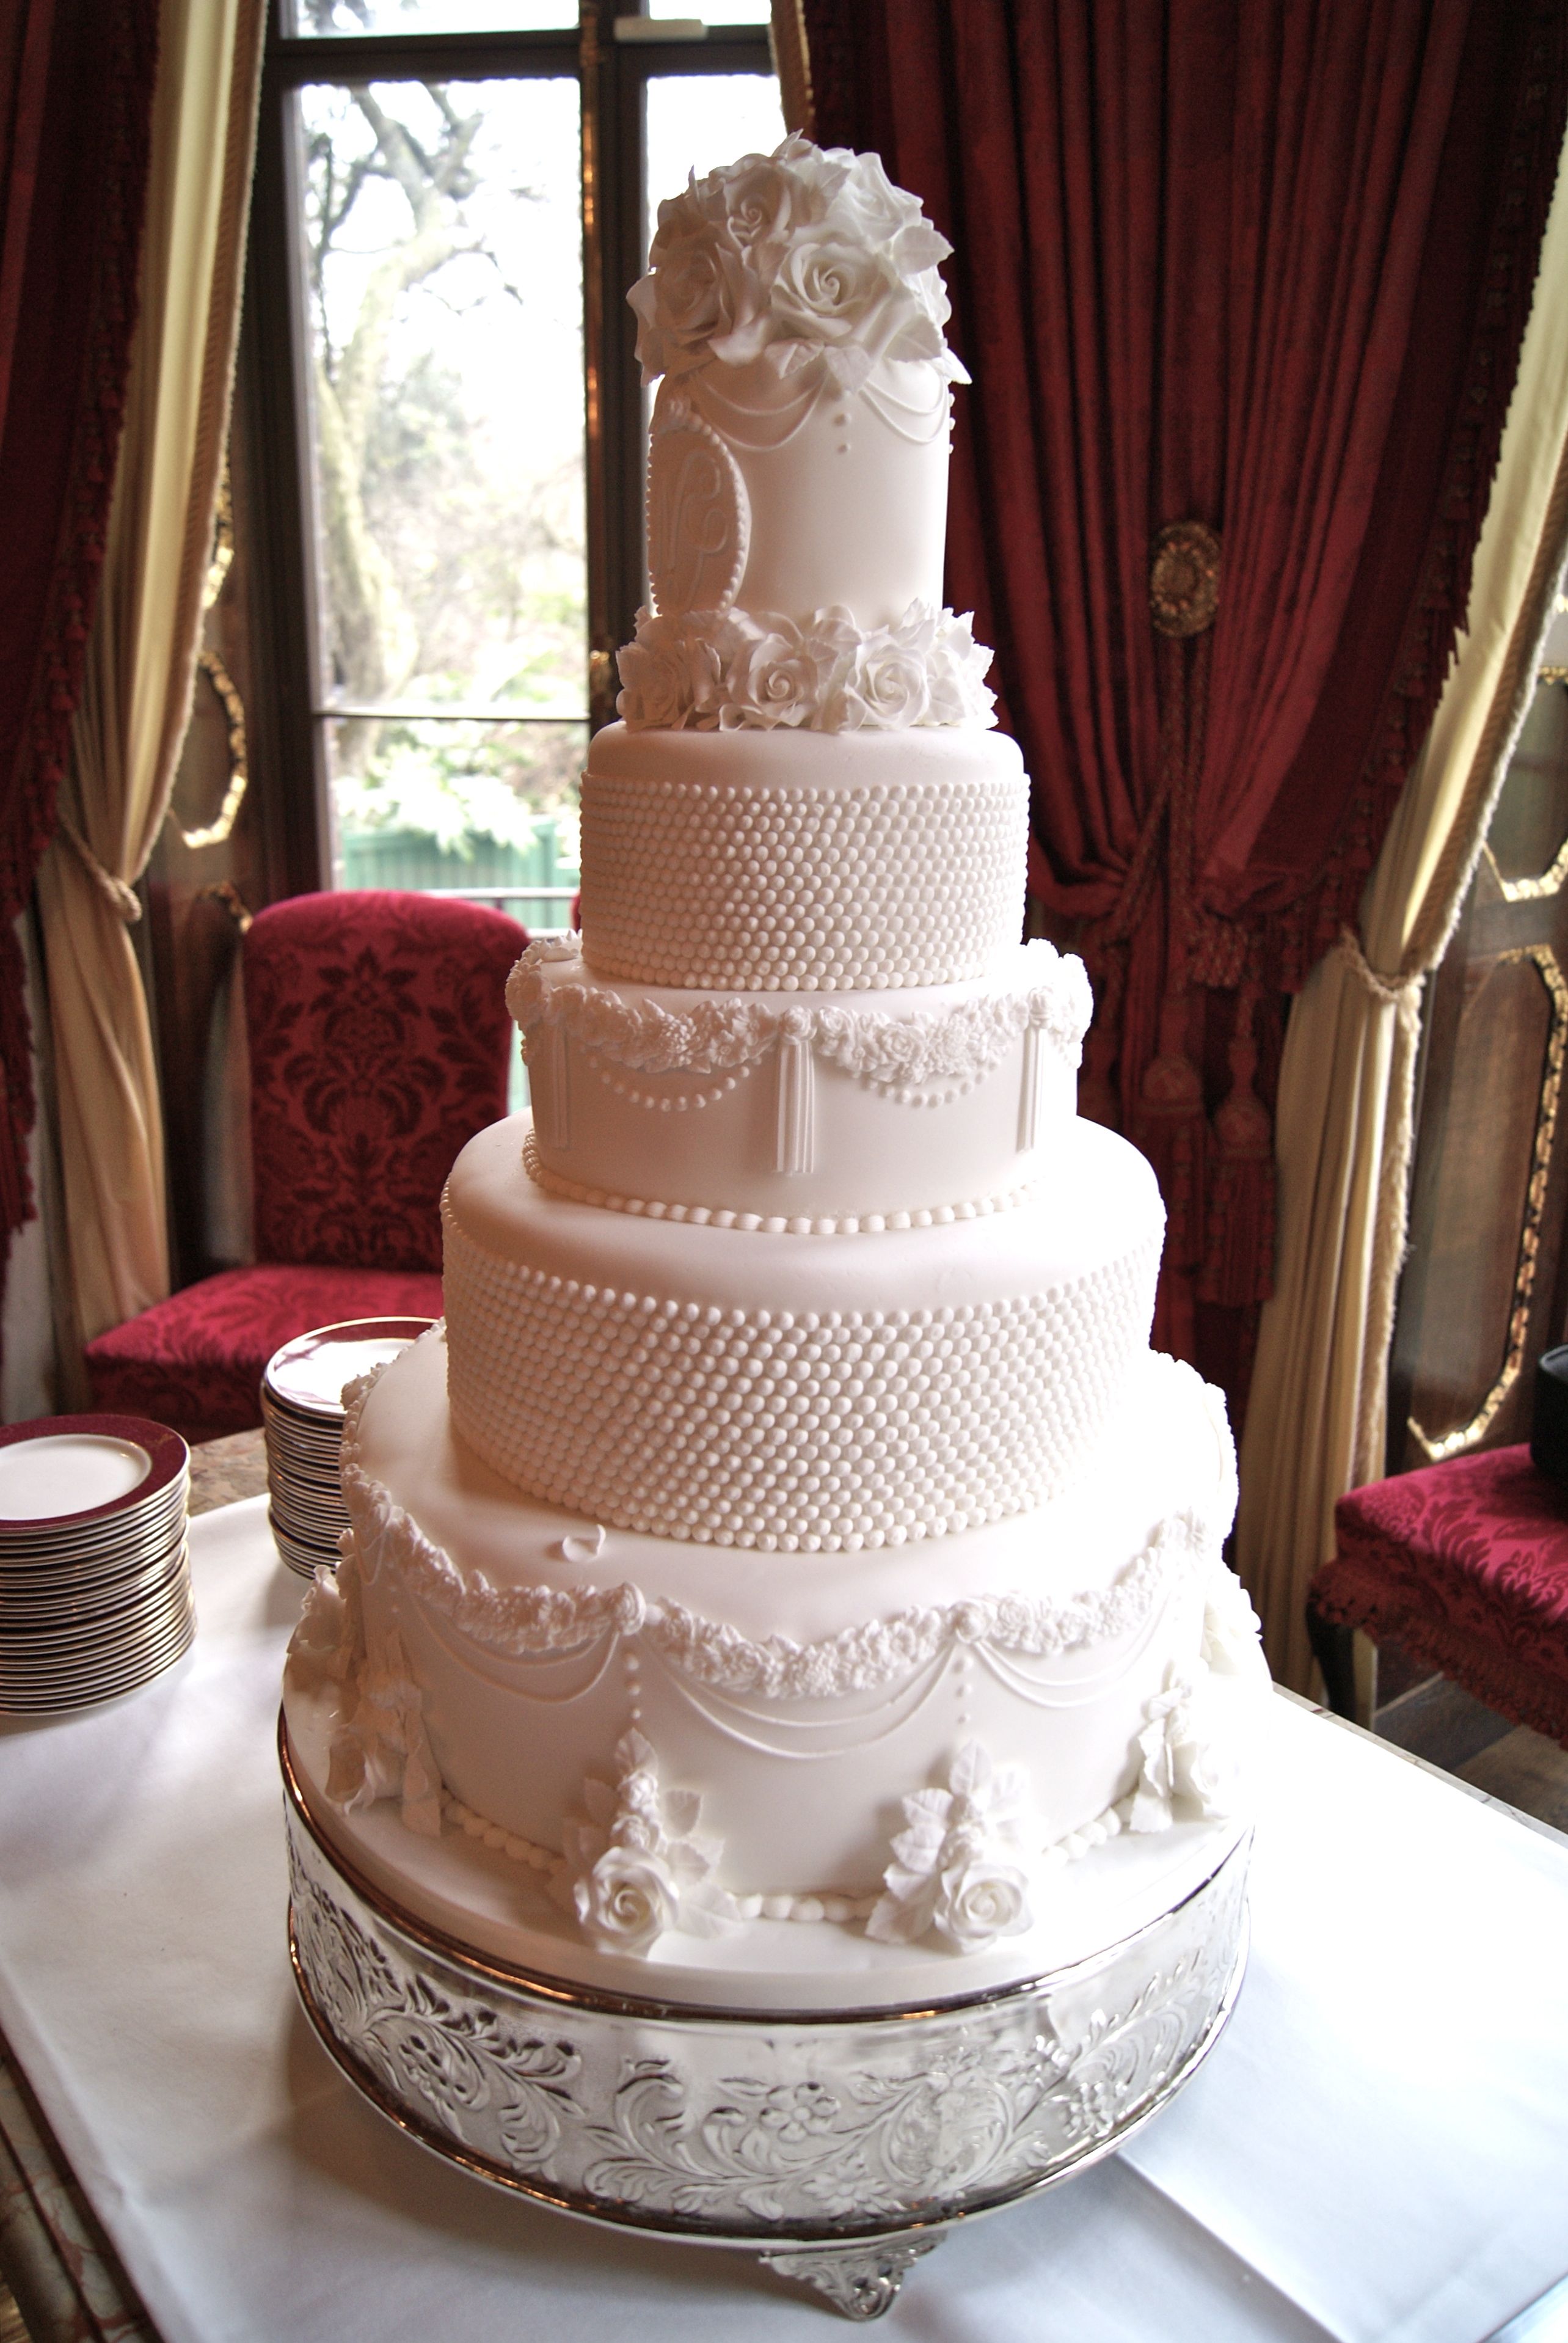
{"x":1377,"y":2150}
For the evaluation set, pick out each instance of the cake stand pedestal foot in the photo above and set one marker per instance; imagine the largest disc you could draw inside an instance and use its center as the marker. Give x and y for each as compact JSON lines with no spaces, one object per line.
{"x":860,"y":2281}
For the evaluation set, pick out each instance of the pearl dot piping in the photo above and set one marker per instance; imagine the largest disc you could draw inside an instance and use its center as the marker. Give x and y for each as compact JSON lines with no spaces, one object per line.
{"x":870,"y":888}
{"x":818,"y":1432}
{"x":665,"y":1102}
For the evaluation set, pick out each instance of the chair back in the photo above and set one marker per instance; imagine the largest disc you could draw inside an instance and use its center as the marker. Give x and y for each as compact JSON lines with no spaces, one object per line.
{"x":379,"y":1044}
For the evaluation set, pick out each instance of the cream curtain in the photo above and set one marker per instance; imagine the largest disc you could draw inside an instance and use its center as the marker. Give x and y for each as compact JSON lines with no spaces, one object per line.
{"x":137,"y":695}
{"x":1315,"y":1420}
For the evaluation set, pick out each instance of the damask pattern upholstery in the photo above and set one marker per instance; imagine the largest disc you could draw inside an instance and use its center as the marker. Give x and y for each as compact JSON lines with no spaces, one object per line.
{"x":1465,"y":1564}
{"x":196,"y":1361}
{"x":379,"y":1044}
{"x":379,"y":1037}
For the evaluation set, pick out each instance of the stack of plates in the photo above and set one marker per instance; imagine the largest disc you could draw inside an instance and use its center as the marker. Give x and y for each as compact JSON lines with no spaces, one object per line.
{"x":302,"y":1408}
{"x":94,"y":1587}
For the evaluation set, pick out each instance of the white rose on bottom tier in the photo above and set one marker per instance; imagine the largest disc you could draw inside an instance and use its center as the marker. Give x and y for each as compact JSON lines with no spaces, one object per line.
{"x":635,"y":1867}
{"x":954,"y":1869}
{"x":1188,"y":1757}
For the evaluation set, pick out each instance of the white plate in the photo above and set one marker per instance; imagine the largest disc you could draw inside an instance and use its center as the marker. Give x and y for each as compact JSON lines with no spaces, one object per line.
{"x":88,"y":1467}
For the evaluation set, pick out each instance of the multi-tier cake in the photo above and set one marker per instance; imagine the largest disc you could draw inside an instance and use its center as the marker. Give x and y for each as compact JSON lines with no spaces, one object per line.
{"x":789,"y":1579}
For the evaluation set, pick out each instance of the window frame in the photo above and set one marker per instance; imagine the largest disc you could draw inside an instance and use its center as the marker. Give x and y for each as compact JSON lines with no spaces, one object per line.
{"x":288,"y":730}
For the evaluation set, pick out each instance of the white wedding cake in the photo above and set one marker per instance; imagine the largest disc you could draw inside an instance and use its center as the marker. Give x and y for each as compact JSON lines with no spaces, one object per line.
{"x":788,"y":1572}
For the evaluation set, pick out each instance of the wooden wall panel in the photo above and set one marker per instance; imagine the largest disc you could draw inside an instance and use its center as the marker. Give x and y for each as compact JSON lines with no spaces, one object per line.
{"x":1482,"y":1292}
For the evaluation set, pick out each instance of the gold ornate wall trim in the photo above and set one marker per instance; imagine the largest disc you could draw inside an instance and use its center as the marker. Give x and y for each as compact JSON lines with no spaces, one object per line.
{"x":1454,"y":1444}
{"x":217,"y":831}
{"x":1529,"y":891}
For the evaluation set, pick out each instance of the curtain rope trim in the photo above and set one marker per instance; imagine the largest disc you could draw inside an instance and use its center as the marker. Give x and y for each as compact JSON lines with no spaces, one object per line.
{"x":121,"y":898}
{"x":1400,"y":993}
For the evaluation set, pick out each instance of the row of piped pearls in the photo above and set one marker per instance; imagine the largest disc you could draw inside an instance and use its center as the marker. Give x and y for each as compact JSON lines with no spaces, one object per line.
{"x":869,"y":888}
{"x":773,"y":1224}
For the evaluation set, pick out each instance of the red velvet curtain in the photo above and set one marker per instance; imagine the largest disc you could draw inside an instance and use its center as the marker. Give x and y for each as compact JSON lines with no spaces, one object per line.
{"x":1263,"y":267}
{"x":76,"y":109}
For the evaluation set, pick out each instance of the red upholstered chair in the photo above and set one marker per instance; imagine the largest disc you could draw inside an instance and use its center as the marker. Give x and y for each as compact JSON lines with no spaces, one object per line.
{"x":379,"y":1044}
{"x":1465,"y":1566}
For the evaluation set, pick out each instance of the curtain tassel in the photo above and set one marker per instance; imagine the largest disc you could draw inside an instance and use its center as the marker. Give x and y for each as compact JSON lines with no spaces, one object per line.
{"x":1238,"y":1255}
{"x":1170,"y":1129}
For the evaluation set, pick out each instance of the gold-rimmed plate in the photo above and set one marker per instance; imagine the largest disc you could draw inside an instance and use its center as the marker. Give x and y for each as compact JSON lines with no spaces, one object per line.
{"x":64,"y":1476}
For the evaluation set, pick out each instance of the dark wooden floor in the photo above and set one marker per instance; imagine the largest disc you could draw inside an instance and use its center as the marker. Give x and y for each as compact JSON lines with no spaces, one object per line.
{"x":1438,"y":1721}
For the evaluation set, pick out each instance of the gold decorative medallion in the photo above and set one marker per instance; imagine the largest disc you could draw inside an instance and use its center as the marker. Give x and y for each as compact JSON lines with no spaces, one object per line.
{"x":1185,"y":579}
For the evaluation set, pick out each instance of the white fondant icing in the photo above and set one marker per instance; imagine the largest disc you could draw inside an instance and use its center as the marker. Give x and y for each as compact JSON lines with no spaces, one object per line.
{"x":641,"y":1059}
{"x":794,"y":1151}
{"x":528,"y":1622}
{"x":1186,"y":1761}
{"x":661,"y":1390}
{"x":844,"y":1675}
{"x":773,"y":1224}
{"x":793,"y":861}
{"x":698,"y":513}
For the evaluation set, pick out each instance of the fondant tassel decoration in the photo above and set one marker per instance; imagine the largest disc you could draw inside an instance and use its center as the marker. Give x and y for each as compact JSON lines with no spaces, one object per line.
{"x":796,"y":1085}
{"x":1029,"y":1095}
{"x":558,"y":1114}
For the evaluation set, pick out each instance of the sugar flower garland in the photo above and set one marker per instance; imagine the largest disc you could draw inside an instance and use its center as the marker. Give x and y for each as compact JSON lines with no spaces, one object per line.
{"x":722,"y":670}
{"x":793,"y":257}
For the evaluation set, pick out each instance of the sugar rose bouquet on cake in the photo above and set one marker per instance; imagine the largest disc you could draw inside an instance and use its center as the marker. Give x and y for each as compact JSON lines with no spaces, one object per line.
{"x":793,"y":257}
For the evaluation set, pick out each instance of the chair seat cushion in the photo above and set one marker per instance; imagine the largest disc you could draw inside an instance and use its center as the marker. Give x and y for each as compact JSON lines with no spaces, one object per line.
{"x":1465,"y":1563}
{"x":196,"y":1361}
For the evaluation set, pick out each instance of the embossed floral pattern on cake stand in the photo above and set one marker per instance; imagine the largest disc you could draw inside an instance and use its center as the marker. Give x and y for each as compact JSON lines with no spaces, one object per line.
{"x":837,"y":2147}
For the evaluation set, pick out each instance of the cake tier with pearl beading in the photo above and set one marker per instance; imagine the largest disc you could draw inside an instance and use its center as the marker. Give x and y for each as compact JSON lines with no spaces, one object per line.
{"x":808,"y":1534}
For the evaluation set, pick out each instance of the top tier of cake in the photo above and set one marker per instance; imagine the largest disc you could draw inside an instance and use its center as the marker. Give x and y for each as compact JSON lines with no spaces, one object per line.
{"x":797,"y":511}
{"x":797,"y":493}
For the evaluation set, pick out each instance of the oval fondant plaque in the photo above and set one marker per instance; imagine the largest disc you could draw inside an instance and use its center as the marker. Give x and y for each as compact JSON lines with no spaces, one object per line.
{"x":699,"y":519}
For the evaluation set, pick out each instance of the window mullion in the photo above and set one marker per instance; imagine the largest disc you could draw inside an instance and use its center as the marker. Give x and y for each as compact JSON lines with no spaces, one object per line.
{"x":614,"y":238}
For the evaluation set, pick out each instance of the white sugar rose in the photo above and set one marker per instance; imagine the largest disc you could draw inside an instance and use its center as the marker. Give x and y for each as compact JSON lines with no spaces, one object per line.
{"x":669,"y":675}
{"x":867,"y":204}
{"x":701,"y":298}
{"x":627,"y":1900}
{"x":979,"y":1899}
{"x":1205,"y":1764}
{"x":762,"y":203}
{"x":1231,"y":1626}
{"x":887,"y":688}
{"x":957,"y":673}
{"x":771,"y":678}
{"x":827,"y":288}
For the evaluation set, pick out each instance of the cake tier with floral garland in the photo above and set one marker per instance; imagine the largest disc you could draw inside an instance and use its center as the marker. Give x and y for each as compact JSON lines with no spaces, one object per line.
{"x":790,"y":1523}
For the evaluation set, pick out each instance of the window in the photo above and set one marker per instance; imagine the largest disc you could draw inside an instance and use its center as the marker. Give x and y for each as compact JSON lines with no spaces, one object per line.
{"x":452,"y":197}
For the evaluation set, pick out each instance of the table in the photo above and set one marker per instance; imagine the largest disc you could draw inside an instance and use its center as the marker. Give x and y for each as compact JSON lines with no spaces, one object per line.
{"x":1377,"y":2149}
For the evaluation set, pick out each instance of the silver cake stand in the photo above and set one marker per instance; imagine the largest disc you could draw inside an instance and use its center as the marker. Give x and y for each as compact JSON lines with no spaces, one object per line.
{"x":836,"y":2147}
